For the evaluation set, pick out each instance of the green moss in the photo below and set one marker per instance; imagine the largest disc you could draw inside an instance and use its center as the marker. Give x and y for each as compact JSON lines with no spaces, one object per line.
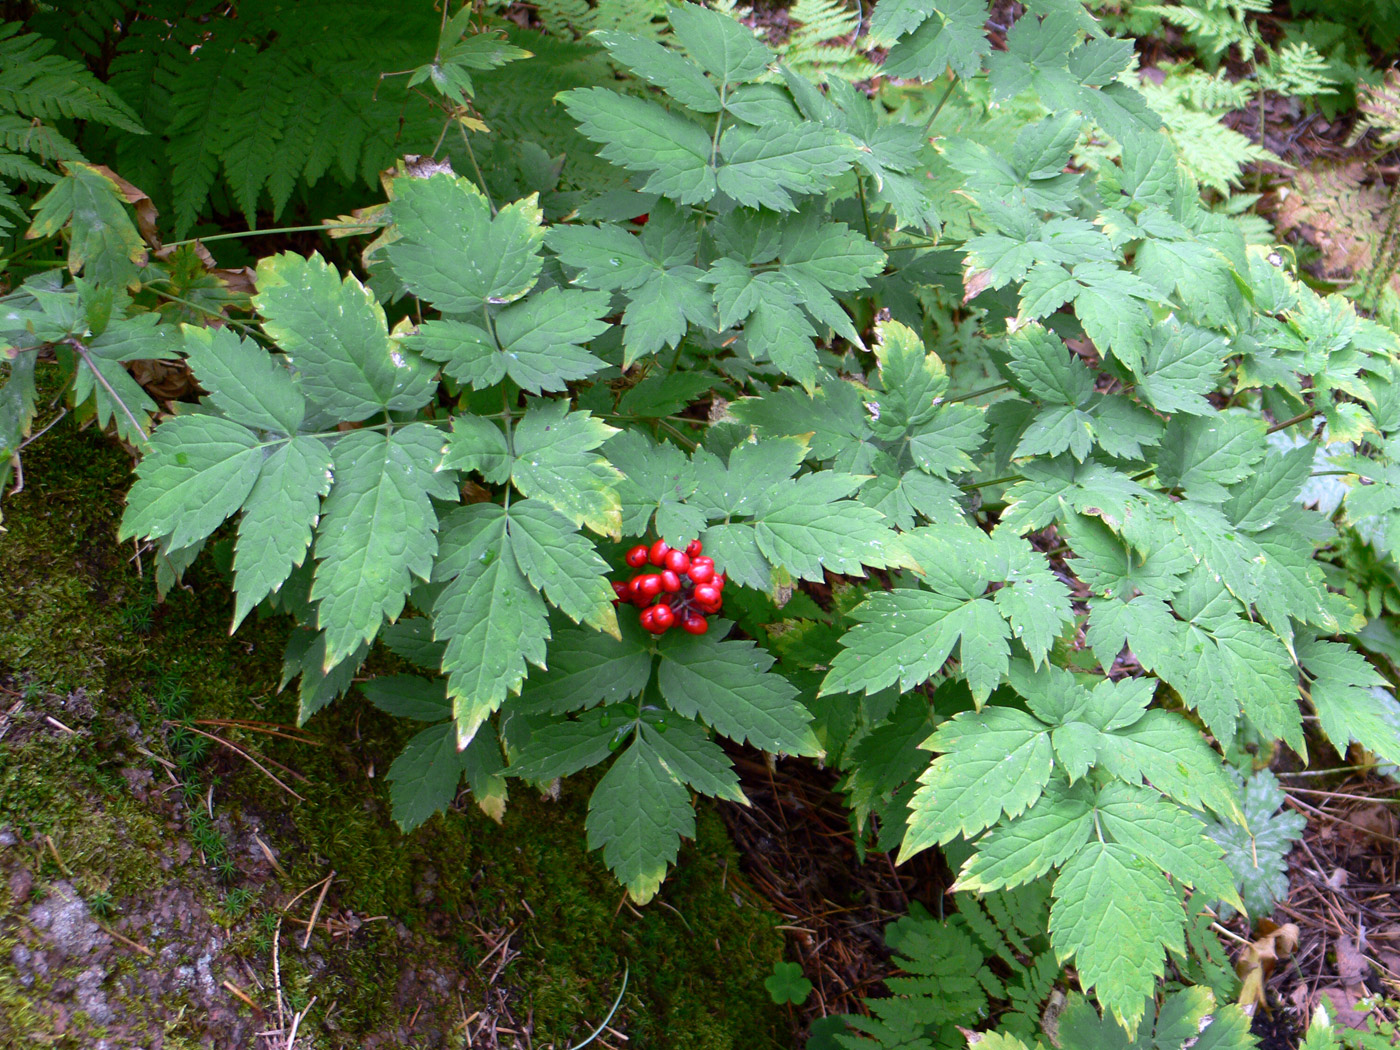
{"x":76,"y":621}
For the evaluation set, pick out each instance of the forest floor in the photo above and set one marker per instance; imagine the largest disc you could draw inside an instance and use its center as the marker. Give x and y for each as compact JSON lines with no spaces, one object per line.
{"x":157,"y":883}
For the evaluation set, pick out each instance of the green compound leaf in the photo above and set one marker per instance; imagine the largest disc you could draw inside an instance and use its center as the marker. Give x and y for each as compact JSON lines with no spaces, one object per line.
{"x":787,"y":985}
{"x":333,"y":332}
{"x":409,"y":696}
{"x":669,"y":70}
{"x":951,"y":35}
{"x":377,"y":532}
{"x":728,"y":685}
{"x":686,"y":749}
{"x":637,"y":816}
{"x":453,"y":253}
{"x":995,"y":761}
{"x":1114,"y":914}
{"x":198,"y":472}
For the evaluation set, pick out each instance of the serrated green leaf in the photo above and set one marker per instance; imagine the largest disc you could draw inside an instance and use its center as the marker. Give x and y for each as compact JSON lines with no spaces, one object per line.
{"x":1203,"y":454}
{"x":657,"y":480}
{"x":478,"y":444}
{"x":728,"y":686}
{"x":687,"y":751}
{"x":587,"y":668}
{"x":333,"y":332}
{"x":563,"y":748}
{"x":1018,"y":851}
{"x":198,"y":472}
{"x":1352,"y":700}
{"x":425,"y":777}
{"x":377,"y":532}
{"x":1179,"y":367}
{"x":994,"y":762}
{"x":1114,"y":914}
{"x":454,"y":253}
{"x":643,"y":137}
{"x":282,"y":508}
{"x":244,"y":381}
{"x":409,"y":696}
{"x":104,"y":244}
{"x":555,"y":462}
{"x":911,"y":381}
{"x":951,"y":35}
{"x":723,"y":45}
{"x":673,"y":73}
{"x":765,"y":167}
{"x":492,"y":620}
{"x":562,"y":563}
{"x":1167,"y":835}
{"x":637,"y":816}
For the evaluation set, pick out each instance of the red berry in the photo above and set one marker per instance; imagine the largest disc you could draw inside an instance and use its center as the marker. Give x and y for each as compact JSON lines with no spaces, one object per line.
{"x":677,"y":561}
{"x":694,"y":623}
{"x":637,"y":556}
{"x":648,"y":586}
{"x":701,"y":573}
{"x":707,"y":594}
{"x":703,"y":559}
{"x":641,"y":220}
{"x":670,"y":581}
{"x":623,"y":592}
{"x":718,"y":581}
{"x":658,"y":553}
{"x":661,"y":618}
{"x":693,"y":548}
{"x":647,"y":618}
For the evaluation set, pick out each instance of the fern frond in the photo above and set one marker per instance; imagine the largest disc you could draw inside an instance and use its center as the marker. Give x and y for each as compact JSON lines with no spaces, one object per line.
{"x":47,"y":87}
{"x":1215,"y":154}
{"x":823,"y":41}
{"x":1380,"y":106}
{"x":1297,"y":69}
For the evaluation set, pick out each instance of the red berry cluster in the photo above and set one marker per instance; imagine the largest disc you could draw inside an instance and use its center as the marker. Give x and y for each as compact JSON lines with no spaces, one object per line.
{"x":681,"y":593}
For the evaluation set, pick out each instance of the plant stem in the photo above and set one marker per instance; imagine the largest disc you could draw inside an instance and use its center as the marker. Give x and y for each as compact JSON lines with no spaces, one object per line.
{"x":1300,"y":417}
{"x":319,"y":227}
{"x":979,"y":393}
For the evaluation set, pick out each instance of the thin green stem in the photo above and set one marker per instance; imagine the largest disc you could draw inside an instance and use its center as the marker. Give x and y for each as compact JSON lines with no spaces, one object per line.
{"x":993,"y":481}
{"x":319,"y":227}
{"x":689,"y":443}
{"x":480,"y":178}
{"x":938,"y":107}
{"x":864,"y":213}
{"x":1299,"y":418}
{"x":980,"y":393}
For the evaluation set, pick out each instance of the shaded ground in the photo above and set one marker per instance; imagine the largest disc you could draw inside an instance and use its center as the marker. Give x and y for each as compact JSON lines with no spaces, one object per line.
{"x":156,"y":885}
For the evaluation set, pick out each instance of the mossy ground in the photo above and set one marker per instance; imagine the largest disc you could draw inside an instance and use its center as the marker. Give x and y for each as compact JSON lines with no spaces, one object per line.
{"x":111,"y":807}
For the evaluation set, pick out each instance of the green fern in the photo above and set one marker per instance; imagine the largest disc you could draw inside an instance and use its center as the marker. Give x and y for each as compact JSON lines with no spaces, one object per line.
{"x":825,"y":41}
{"x":572,"y":19}
{"x":262,"y":106}
{"x":1191,"y":104}
{"x":37,"y":90}
{"x":991,"y":957}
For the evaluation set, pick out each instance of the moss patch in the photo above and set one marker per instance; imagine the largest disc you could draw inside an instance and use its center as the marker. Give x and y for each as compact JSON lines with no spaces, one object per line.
{"x":518,"y":921}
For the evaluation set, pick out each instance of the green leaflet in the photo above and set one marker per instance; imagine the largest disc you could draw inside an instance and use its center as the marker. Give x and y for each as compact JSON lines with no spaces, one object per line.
{"x":333,"y":332}
{"x":1114,"y":914}
{"x":552,"y":460}
{"x":906,"y":635}
{"x":425,"y":777}
{"x":377,"y":532}
{"x":104,"y":245}
{"x":729,"y":686}
{"x":453,"y":253}
{"x":637,"y":816}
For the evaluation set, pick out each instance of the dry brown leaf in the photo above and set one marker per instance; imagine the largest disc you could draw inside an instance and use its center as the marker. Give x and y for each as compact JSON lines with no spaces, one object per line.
{"x":1341,"y":1005}
{"x":1352,"y":966}
{"x":145,"y":209}
{"x":1257,"y":962}
{"x":1340,"y":210}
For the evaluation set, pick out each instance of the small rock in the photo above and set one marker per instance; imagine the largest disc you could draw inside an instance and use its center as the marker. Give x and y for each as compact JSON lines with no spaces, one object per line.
{"x":7,"y":836}
{"x":21,"y":884}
